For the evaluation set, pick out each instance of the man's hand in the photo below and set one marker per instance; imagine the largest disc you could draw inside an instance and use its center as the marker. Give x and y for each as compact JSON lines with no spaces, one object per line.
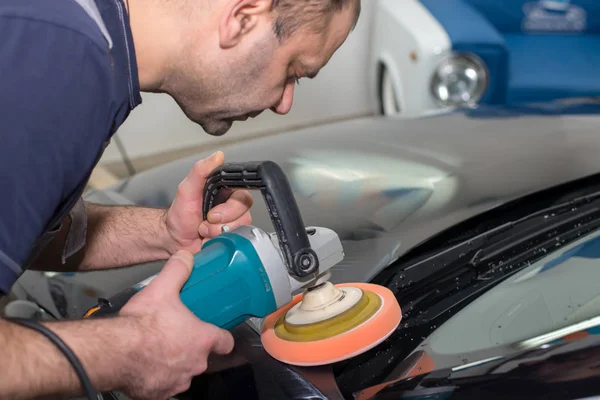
{"x":177,"y":344}
{"x":151,"y":350}
{"x":183,"y":220}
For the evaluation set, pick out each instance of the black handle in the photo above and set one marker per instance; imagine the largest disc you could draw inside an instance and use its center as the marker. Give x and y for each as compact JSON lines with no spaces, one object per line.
{"x":266,"y":176}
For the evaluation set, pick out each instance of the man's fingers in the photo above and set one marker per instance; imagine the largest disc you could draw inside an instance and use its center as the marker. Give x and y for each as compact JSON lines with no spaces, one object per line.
{"x":208,"y":230}
{"x":235,"y":207}
{"x":223,"y":342}
{"x":174,"y":274}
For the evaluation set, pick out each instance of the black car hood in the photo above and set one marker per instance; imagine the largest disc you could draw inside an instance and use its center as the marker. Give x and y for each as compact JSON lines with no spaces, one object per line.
{"x":386,"y":185}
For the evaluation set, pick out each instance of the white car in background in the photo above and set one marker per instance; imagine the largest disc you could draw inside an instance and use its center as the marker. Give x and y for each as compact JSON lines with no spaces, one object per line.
{"x":428,"y":56}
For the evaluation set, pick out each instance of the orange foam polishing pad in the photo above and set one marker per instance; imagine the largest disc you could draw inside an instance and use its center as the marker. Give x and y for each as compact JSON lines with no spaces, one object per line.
{"x":337,"y":348}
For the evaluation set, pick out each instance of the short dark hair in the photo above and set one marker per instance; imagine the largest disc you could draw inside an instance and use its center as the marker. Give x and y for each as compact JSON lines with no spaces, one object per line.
{"x":292,"y":15}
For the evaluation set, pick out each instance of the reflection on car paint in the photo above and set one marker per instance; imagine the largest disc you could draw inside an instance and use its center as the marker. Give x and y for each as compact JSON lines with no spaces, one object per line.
{"x":548,"y":372}
{"x":569,"y":333}
{"x":415,"y":364}
{"x":371,"y":189}
{"x":589,"y":249}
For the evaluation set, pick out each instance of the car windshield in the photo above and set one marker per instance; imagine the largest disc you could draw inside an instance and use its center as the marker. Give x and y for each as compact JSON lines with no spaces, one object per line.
{"x":559,"y":291}
{"x":522,"y":275}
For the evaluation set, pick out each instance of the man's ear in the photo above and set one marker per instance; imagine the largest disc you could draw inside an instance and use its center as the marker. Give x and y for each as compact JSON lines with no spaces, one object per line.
{"x":240,"y":17}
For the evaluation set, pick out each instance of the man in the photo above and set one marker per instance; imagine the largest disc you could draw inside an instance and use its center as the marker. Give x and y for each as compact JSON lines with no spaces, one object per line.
{"x":72,"y":71}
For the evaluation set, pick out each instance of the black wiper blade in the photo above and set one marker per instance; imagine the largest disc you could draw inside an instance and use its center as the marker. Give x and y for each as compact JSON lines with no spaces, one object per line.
{"x":542,"y":235}
{"x":488,"y":244}
{"x":532,"y":229}
{"x":494,"y":261}
{"x":414,"y":277}
{"x":469,"y":285}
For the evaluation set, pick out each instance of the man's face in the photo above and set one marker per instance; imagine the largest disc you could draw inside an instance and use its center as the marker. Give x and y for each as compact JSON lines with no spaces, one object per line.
{"x":250,"y":70}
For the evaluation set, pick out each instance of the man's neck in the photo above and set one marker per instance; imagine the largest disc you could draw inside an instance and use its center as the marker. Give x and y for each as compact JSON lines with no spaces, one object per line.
{"x":153,"y":41}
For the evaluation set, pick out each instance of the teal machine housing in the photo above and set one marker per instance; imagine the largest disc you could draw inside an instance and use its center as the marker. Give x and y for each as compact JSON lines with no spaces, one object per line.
{"x":229,"y":283}
{"x":233,"y":275}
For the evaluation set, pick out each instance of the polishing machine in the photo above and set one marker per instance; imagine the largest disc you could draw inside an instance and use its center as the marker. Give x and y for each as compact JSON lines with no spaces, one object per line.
{"x":281,"y":277}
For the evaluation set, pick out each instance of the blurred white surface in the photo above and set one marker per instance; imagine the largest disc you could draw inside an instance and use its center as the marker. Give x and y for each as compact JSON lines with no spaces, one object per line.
{"x":340,"y":91}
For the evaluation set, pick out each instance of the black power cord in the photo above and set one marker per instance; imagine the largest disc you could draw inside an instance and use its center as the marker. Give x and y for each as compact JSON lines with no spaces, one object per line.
{"x":86,"y":384}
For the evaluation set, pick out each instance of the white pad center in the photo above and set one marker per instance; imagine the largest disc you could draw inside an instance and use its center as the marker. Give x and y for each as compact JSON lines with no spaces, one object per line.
{"x":323,"y":303}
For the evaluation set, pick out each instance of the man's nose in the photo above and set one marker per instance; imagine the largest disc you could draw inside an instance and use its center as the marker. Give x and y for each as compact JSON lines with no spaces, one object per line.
{"x":287,"y":98}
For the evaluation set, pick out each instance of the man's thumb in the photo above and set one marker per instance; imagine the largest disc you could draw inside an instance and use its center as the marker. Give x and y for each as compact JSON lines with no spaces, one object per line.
{"x":175,"y":273}
{"x":203,"y":168}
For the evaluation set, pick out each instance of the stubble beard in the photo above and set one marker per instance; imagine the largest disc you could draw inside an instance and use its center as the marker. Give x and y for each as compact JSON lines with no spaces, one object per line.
{"x":213,"y":95}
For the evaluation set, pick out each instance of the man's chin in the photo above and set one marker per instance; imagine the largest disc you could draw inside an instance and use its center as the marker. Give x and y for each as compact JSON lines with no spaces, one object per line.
{"x":216,"y":127}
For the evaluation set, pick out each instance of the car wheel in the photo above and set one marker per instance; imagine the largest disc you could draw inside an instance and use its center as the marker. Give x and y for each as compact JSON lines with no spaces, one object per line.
{"x":387,"y":96}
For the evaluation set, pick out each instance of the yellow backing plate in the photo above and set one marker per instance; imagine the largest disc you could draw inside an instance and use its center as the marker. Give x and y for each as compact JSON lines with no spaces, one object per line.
{"x":364,"y":309}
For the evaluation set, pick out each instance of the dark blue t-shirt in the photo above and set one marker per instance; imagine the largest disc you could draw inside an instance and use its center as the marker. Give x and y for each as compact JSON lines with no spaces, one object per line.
{"x":63,"y":94}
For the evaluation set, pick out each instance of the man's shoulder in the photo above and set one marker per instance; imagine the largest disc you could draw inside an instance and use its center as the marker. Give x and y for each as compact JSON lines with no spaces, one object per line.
{"x":65,"y":15}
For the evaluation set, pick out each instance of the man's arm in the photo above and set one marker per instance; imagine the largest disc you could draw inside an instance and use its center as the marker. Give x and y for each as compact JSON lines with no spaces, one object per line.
{"x":117,"y":236}
{"x":34,"y":367}
{"x":120,"y":236}
{"x":151,"y":350}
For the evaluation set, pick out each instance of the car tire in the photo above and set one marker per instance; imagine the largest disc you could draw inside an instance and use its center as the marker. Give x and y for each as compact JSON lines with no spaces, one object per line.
{"x":388,"y":101}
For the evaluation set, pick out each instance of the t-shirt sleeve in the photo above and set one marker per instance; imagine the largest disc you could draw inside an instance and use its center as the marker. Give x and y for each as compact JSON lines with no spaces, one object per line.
{"x":55,"y":93}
